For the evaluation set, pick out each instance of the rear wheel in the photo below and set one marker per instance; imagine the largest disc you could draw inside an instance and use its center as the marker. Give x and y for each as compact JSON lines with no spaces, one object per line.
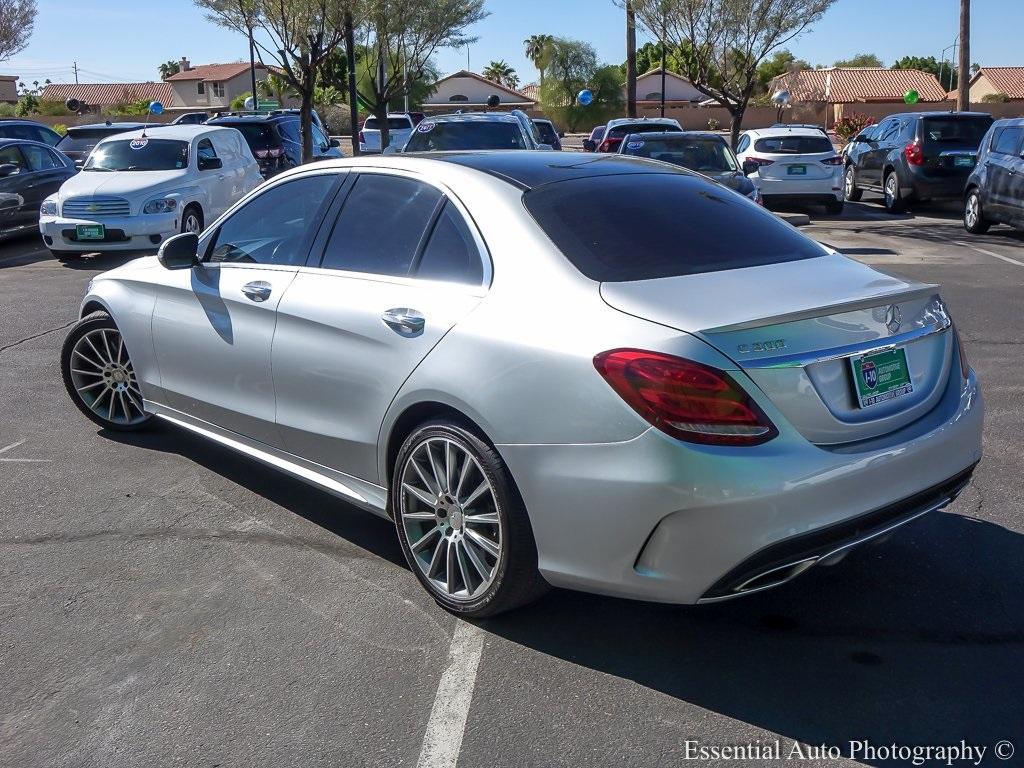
{"x":894,"y":202}
{"x":851,"y":191}
{"x":974,"y":221}
{"x":99,"y":377}
{"x":461,"y":523}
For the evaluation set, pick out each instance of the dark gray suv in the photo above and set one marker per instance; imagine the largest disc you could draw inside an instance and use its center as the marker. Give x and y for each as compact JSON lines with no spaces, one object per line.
{"x":915,"y":157}
{"x":995,"y":189}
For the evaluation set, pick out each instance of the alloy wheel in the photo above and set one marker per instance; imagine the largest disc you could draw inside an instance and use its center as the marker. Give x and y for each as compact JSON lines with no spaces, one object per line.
{"x":450,"y":519}
{"x":971,"y":212}
{"x":102,"y":375}
{"x":890,"y":189}
{"x":191,"y":223}
{"x":848,"y":183}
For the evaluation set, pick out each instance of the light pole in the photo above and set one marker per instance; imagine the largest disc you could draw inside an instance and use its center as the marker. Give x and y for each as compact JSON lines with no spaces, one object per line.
{"x":963,"y":86}
{"x":252,"y":72}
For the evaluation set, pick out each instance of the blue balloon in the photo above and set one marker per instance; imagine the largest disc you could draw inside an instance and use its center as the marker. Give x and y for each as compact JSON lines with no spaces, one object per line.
{"x":156,"y":108}
{"x":585,"y":97}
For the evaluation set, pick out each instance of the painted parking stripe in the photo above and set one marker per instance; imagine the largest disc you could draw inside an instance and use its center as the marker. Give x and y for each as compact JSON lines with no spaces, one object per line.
{"x":447,"y":725}
{"x":993,"y":254}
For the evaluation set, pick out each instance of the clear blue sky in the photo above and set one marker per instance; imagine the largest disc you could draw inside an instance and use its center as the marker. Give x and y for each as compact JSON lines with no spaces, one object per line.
{"x":125,"y":40}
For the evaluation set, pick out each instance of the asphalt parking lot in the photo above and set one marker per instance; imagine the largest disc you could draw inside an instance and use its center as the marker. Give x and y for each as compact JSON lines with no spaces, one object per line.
{"x":166,"y":602}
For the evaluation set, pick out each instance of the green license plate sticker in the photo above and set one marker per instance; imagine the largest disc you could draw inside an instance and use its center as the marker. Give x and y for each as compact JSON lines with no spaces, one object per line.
{"x":880,"y":377}
{"x":963,"y":161}
{"x":797,"y":170}
{"x":90,"y":231}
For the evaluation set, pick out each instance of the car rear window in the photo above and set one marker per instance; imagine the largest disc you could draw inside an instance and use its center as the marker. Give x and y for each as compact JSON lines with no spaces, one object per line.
{"x":954,"y":130}
{"x":394,"y":124}
{"x":431,"y":136}
{"x":85,"y":139}
{"x":621,"y":131}
{"x":706,"y":155}
{"x":663,"y":225}
{"x":793,"y":145}
{"x":256,"y":134}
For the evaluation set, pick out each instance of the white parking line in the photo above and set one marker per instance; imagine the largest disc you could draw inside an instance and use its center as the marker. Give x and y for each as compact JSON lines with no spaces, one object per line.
{"x":447,"y":724}
{"x":993,"y":254}
{"x":12,"y":446}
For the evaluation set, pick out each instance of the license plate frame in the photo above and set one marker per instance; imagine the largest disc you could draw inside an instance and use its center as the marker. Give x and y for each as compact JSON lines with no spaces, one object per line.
{"x":90,"y":232}
{"x":882,"y":376}
{"x":796,"y":170}
{"x":963,"y":161}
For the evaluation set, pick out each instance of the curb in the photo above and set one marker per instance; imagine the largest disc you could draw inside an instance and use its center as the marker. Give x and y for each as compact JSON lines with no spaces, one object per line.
{"x":796,"y":219}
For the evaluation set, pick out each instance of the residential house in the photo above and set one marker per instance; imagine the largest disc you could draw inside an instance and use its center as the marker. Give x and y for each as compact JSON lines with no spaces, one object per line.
{"x":468,"y":90}
{"x":678,"y":89}
{"x":8,"y":88}
{"x":100,"y":95}
{"x":992,"y":80}
{"x":212,"y":86}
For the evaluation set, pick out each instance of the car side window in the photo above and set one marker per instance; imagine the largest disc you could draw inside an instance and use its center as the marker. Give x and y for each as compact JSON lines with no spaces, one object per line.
{"x":451,"y":253}
{"x":40,"y":158}
{"x":380,"y":227}
{"x":271,"y":228}
{"x":743,"y":144}
{"x":1008,"y":140}
{"x":11,"y":155}
{"x":205,"y":150}
{"x":888,"y":130}
{"x":321,"y":141}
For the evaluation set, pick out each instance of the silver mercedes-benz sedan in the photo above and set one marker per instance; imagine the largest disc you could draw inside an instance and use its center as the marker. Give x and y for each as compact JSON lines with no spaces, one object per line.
{"x":601,"y":373}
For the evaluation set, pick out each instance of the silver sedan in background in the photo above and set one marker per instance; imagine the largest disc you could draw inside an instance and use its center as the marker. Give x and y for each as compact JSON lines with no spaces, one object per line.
{"x":681,"y":400}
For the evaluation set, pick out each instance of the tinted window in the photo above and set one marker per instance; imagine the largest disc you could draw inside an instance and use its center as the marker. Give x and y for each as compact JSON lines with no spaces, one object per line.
{"x":451,"y":254}
{"x":205,"y":150}
{"x":320,"y":139}
{"x":664,"y":225}
{"x":394,"y":124}
{"x":1008,"y":140}
{"x":290,"y":130}
{"x":475,"y":134}
{"x":743,"y":144}
{"x":954,"y":130}
{"x":621,"y":131}
{"x":380,"y":227}
{"x":29,"y":132}
{"x":271,"y":228}
{"x":597,"y":133}
{"x":705,"y":155}
{"x":40,"y":158}
{"x":793,"y":145}
{"x":547,"y":133}
{"x":79,"y":139}
{"x":138,"y":155}
{"x":10,"y":155}
{"x":257,"y":135}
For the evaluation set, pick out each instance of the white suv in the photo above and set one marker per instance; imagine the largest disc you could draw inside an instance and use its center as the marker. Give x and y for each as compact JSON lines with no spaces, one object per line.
{"x":793,"y":163}
{"x":399,"y":130}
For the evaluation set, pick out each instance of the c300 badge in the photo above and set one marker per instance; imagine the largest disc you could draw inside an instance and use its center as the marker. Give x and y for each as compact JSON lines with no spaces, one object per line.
{"x":771,"y":345}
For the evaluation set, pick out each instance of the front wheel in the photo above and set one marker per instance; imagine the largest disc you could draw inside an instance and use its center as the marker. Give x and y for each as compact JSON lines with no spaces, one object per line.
{"x":99,"y":376}
{"x":974,"y":221}
{"x":461,"y":523}
{"x":192,"y":219}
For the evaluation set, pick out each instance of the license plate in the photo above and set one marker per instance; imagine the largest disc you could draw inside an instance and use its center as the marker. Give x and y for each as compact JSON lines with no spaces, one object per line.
{"x":797,"y":170}
{"x":881,"y":377}
{"x":963,"y":161}
{"x":90,"y":231}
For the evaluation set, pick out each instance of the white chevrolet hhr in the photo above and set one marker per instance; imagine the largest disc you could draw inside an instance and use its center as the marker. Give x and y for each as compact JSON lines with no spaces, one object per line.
{"x":136,"y":189}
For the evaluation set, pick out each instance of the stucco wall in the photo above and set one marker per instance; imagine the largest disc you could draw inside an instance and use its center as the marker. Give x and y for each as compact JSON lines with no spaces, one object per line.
{"x":475,"y":90}
{"x":676,"y":89}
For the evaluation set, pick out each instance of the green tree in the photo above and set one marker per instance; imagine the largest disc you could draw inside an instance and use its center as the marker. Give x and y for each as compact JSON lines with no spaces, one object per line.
{"x":17,"y":20}
{"x":275,"y":87}
{"x":500,"y":72}
{"x":944,"y":70}
{"x":724,"y":41}
{"x":860,"y":60}
{"x":168,"y":69}
{"x":782,"y":62}
{"x":538,"y":50}
{"x":573,"y":67}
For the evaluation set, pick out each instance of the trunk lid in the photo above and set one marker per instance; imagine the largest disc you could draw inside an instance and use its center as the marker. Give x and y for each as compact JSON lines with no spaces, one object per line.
{"x":795,"y":328}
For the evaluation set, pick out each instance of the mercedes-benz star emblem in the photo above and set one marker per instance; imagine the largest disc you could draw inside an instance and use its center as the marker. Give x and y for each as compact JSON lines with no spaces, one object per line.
{"x":893,"y":318}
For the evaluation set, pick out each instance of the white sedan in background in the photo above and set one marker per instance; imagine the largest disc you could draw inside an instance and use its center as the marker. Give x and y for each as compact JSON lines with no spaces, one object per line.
{"x":399,"y":130}
{"x":138,"y":188}
{"x":793,"y":164}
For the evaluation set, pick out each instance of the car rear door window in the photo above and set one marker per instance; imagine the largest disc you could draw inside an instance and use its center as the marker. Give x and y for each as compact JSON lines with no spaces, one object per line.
{"x":1008,"y":140}
{"x":664,"y":225}
{"x":272,"y":228}
{"x":381,"y":225}
{"x":11,"y":155}
{"x":451,"y":254}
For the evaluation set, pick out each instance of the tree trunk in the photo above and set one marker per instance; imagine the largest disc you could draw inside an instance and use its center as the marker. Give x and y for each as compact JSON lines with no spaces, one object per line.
{"x":630,"y":59}
{"x":736,"y":112}
{"x":380,"y":111}
{"x":306,"y":123}
{"x":963,"y":87}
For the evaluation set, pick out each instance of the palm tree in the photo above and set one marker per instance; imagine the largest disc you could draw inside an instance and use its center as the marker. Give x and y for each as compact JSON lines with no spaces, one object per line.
{"x":168,"y":68}
{"x":501,"y":73}
{"x":274,"y":86}
{"x":538,"y":50}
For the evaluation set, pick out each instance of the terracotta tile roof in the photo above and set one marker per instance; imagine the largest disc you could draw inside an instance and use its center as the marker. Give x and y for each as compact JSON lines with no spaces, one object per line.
{"x":107,"y":94}
{"x":213,"y":72}
{"x":862,"y":84}
{"x":530,"y":91}
{"x":1008,"y":80}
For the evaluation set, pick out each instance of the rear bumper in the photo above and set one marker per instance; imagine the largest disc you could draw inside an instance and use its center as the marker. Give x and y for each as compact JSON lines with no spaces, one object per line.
{"x":936,"y":187}
{"x":796,"y":189}
{"x":656,"y":519}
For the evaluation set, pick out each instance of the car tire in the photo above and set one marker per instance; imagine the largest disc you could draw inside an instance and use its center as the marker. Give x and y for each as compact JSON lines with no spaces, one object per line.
{"x":974,"y":220}
{"x":94,"y":360}
{"x":892,"y":199}
{"x":834,"y":207}
{"x":473,"y":568}
{"x":192,"y":219}
{"x":851,"y":191}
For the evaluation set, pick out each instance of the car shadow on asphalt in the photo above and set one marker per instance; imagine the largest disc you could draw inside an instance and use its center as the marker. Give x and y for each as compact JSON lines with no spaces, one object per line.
{"x":916,"y":641}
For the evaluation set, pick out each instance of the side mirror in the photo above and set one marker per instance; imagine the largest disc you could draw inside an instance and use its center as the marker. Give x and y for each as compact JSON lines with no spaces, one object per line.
{"x":335,"y":143}
{"x":8,"y":169}
{"x":749,"y":167}
{"x":589,"y":145}
{"x":210,"y":163}
{"x":180,"y":251}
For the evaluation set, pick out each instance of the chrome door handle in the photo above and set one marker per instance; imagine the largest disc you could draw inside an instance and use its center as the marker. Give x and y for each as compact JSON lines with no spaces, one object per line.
{"x":257,"y":290}
{"x":404,"y":321}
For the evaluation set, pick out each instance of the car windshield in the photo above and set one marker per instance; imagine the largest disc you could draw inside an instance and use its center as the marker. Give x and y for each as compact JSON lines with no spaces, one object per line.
{"x":954,"y":130}
{"x":394,"y":124}
{"x":621,"y":131}
{"x":461,"y":135}
{"x":794,"y":145}
{"x":705,"y":155}
{"x":665,"y":225}
{"x":141,"y":154}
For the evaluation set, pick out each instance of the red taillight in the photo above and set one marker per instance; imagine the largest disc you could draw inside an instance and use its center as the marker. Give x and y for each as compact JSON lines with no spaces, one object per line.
{"x":687,"y":400}
{"x":609,"y":145}
{"x":362,"y":138}
{"x":261,"y":153}
{"x":276,"y":151}
{"x":913,"y":153}
{"x":832,"y":161}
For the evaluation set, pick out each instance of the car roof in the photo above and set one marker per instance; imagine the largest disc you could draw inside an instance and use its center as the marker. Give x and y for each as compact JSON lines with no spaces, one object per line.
{"x":22,"y":121}
{"x":936,"y":113}
{"x":787,"y":130}
{"x":172,"y":132}
{"x":678,"y":135}
{"x":109,"y":126}
{"x":227,"y":119}
{"x":475,"y":117}
{"x":7,"y":142}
